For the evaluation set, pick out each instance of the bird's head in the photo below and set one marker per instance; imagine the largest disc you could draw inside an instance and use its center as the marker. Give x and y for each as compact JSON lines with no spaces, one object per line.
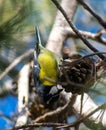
{"x":48,"y":94}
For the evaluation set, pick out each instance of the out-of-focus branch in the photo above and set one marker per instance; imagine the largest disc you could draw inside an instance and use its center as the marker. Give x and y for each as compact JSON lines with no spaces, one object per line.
{"x":7,"y":88}
{"x":83,"y":38}
{"x":23,"y":94}
{"x":58,"y":35}
{"x":6,"y":118}
{"x":91,"y":11}
{"x":15,"y":62}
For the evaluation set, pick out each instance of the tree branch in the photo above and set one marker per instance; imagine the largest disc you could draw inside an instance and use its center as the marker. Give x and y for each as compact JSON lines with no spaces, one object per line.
{"x":83,"y":119}
{"x":58,"y":34}
{"x":15,"y":62}
{"x":99,"y":19}
{"x":37,"y":125}
{"x":75,"y":29}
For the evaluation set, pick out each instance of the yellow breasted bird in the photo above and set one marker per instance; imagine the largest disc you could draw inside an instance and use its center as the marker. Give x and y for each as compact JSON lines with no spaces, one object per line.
{"x":46,"y":72}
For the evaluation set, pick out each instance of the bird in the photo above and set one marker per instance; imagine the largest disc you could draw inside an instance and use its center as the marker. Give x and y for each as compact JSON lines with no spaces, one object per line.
{"x":46,"y":72}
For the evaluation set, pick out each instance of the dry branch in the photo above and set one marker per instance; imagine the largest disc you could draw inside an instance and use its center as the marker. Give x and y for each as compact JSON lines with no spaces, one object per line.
{"x":52,"y":116}
{"x":55,"y":43}
{"x":93,"y":36}
{"x":83,"y":38}
{"x":30,"y":126}
{"x":58,"y":35}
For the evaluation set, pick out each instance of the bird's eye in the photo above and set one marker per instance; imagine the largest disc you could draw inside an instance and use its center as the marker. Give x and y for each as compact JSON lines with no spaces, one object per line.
{"x":38,"y":51}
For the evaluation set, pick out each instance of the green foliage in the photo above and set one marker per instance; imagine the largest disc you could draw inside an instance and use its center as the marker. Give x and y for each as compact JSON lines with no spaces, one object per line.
{"x":20,"y":16}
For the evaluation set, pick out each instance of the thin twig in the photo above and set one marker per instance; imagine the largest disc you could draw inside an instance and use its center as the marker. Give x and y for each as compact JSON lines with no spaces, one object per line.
{"x":37,"y":125}
{"x":82,"y":58}
{"x":90,"y":10}
{"x":82,"y":37}
{"x":15,"y":62}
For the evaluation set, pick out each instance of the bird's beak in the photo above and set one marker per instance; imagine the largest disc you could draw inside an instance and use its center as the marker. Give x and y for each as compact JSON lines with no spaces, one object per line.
{"x":38,"y":35}
{"x":37,"y":48}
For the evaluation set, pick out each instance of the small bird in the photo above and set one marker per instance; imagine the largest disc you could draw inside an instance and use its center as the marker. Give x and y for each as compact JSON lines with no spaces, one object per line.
{"x":46,"y":72}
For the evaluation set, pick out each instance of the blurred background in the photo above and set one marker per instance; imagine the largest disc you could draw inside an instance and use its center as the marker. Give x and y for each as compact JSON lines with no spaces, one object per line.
{"x":17,"y":35}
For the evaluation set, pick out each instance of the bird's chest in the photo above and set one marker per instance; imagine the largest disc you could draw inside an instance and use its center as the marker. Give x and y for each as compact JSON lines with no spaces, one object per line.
{"x":48,"y":70}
